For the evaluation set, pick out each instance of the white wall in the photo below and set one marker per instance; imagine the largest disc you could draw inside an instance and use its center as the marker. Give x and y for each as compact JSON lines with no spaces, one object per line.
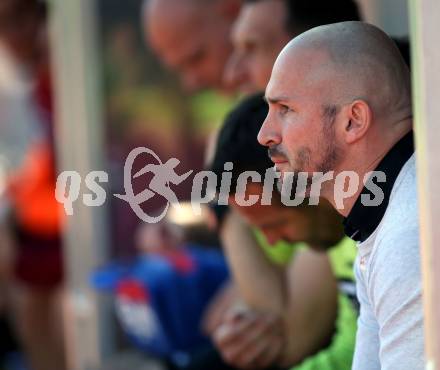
{"x":390,"y":15}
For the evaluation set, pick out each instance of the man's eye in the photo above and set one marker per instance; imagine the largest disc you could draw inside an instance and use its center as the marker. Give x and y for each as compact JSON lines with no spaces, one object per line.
{"x":195,"y":57}
{"x":284,"y":109}
{"x":249,"y":48}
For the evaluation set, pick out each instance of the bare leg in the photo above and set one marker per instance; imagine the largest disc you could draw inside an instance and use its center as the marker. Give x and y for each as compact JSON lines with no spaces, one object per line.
{"x":39,"y":325}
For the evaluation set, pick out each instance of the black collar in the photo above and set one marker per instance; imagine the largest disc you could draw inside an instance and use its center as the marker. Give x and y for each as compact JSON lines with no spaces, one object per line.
{"x":363,"y":220}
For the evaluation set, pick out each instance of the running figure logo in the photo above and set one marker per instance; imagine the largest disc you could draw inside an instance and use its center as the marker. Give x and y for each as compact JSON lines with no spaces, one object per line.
{"x":164,"y":174}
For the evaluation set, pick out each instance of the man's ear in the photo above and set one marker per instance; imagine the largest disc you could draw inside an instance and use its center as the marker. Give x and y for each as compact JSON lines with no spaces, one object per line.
{"x":358,"y":121}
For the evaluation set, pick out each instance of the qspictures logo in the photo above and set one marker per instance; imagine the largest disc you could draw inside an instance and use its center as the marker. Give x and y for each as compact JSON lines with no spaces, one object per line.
{"x":207,"y":187}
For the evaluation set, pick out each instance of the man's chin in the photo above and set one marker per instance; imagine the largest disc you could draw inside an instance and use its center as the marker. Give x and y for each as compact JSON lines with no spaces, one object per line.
{"x":282,"y":167}
{"x":290,"y":240}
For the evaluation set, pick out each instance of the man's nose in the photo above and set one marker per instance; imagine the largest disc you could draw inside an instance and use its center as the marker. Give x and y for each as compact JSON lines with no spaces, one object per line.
{"x":269,"y":134}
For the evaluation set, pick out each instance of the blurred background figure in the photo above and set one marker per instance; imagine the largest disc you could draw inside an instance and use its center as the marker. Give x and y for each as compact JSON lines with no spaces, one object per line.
{"x":192,"y":38}
{"x":155,"y":114}
{"x":145,"y":106}
{"x":18,"y":128}
{"x":34,"y":214}
{"x":258,"y":39}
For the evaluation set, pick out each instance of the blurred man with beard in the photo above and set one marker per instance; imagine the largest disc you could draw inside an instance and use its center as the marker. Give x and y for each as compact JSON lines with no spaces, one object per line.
{"x":258,"y":38}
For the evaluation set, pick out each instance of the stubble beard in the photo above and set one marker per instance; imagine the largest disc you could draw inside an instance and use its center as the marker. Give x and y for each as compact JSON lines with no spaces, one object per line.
{"x":329,"y":159}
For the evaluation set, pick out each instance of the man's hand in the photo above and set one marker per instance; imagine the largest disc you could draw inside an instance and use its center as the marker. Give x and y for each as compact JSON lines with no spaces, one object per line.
{"x":250,"y":340}
{"x":224,"y":301}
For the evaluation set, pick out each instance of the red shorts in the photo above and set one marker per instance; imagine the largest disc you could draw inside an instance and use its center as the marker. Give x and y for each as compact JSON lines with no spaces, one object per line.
{"x":39,"y":260}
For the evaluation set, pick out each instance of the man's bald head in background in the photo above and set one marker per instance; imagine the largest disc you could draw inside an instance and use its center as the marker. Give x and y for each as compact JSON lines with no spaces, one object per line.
{"x":192,"y":37}
{"x":339,"y":99}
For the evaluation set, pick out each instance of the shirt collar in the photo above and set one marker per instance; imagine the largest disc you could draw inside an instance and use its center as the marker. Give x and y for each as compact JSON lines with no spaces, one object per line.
{"x":363,"y":220}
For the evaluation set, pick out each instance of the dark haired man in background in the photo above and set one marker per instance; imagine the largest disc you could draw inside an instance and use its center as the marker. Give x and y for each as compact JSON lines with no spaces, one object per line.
{"x":264,"y":27}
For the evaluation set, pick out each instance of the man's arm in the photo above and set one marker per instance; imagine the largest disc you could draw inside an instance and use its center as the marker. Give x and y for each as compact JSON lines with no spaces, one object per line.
{"x":311,"y":309}
{"x":261,"y":284}
{"x":366,"y":356}
{"x":395,"y":288}
{"x":303,"y":296}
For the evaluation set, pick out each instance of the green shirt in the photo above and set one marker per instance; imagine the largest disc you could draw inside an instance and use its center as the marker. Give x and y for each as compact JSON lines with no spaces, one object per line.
{"x":339,"y":354}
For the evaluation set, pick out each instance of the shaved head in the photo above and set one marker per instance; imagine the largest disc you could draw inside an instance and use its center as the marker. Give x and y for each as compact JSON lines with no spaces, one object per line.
{"x":176,"y":12}
{"x":339,"y":98}
{"x":192,"y":37}
{"x":361,"y":61}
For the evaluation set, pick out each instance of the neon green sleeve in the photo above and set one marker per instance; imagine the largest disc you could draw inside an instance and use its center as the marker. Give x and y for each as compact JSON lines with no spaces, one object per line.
{"x":281,"y":252}
{"x":339,"y":354}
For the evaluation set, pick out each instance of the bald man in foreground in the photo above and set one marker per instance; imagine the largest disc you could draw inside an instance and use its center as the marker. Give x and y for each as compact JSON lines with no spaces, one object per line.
{"x":340,"y":100}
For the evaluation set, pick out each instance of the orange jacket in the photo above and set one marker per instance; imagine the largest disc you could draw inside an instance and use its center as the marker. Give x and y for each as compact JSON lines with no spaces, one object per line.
{"x":32,"y":193}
